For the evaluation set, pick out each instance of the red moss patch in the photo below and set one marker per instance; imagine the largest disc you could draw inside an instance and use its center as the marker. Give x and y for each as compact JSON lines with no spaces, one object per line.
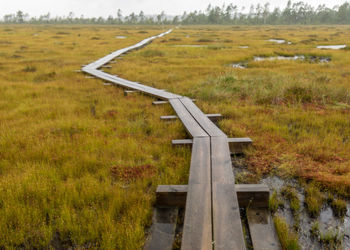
{"x":132,"y":173}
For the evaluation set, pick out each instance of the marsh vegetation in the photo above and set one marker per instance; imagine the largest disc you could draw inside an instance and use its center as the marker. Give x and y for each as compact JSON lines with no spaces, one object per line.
{"x":79,"y":162}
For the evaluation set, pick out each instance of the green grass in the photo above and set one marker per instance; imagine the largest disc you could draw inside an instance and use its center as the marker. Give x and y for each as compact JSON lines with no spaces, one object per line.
{"x":314,"y":200}
{"x":339,"y":207}
{"x":79,"y":162}
{"x":331,"y":239}
{"x":291,"y":194}
{"x":274,"y":202}
{"x":288,"y":239}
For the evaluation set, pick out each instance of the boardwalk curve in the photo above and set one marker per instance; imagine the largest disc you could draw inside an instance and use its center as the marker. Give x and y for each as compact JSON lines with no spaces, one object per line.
{"x":212,"y":219}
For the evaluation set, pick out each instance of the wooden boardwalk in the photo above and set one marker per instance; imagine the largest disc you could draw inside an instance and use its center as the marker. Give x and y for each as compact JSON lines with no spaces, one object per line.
{"x":212,"y":218}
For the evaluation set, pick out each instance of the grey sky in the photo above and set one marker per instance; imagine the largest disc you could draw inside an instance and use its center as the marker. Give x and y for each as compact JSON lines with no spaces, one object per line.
{"x":104,"y":8}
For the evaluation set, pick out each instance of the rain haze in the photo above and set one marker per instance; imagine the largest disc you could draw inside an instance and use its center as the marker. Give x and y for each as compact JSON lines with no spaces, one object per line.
{"x":93,"y":8}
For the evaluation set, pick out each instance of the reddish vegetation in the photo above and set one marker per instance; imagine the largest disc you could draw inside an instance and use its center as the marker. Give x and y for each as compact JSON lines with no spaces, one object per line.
{"x":132,"y":173}
{"x":329,"y":170}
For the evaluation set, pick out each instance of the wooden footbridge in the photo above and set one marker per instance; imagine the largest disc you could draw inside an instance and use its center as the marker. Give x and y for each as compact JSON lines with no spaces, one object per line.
{"x":211,"y":199}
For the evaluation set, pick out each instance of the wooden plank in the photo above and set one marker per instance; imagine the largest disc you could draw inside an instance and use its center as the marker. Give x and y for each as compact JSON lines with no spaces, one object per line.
{"x":212,"y":117}
{"x":188,"y":121}
{"x":127,"y":92}
{"x":237,"y":145}
{"x":184,"y":142}
{"x":171,"y":195}
{"x":168,"y":117}
{"x":159,"y":102}
{"x":253,"y":195}
{"x":163,"y":229}
{"x":197,"y":229}
{"x":227,"y":227}
{"x":262,"y":230}
{"x":248,"y":195}
{"x":200,"y":117}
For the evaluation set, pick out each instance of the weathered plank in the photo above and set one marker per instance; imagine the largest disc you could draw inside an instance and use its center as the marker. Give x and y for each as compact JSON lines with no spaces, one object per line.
{"x":171,"y":195}
{"x":159,"y":102}
{"x":237,"y":145}
{"x":127,"y":92}
{"x":168,"y":117}
{"x":197,"y":229}
{"x":227,"y":227}
{"x":200,"y":117}
{"x":248,"y":195}
{"x":183,"y":142}
{"x":188,"y":121}
{"x":262,"y":230}
{"x":162,"y":232}
{"x":212,"y":117}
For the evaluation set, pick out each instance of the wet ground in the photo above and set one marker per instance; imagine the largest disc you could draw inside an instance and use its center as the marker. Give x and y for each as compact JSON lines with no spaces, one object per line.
{"x":279,"y":41}
{"x":326,"y":220}
{"x":312,"y":59}
{"x":331,"y":47}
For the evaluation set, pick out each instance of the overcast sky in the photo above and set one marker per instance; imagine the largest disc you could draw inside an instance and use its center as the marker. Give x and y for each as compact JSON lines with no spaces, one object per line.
{"x":90,"y":8}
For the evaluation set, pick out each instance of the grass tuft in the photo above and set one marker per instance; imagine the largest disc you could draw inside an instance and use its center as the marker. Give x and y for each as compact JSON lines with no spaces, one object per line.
{"x":339,"y":207}
{"x":288,"y":239}
{"x":314,"y":200}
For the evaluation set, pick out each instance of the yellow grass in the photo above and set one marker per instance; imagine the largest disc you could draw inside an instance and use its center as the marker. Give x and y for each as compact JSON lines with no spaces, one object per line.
{"x":79,"y":162}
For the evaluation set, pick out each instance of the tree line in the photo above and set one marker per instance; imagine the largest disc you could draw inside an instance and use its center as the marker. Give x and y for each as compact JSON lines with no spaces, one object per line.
{"x":293,"y":13}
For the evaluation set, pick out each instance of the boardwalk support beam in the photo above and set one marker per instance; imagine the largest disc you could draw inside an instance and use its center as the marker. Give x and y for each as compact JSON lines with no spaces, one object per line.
{"x":212,"y":117}
{"x":237,"y":145}
{"x":252,"y":195}
{"x":127,"y":92}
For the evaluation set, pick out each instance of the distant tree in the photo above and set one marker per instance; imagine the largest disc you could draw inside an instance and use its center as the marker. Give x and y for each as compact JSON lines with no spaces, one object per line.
{"x":293,"y":13}
{"x":20,"y":17}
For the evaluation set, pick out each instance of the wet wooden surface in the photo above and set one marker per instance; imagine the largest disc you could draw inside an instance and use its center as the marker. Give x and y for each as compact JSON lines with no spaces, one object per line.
{"x":262,"y":230}
{"x":162,"y":232}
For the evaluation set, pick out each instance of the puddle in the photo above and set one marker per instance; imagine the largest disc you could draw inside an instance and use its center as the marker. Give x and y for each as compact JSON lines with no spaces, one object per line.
{"x":313,"y":59}
{"x":120,"y":37}
{"x":279,"y":41}
{"x":331,"y":46}
{"x":272,"y":58}
{"x":239,"y":66}
{"x":191,"y":45}
{"x":319,"y":59}
{"x":327,"y":220}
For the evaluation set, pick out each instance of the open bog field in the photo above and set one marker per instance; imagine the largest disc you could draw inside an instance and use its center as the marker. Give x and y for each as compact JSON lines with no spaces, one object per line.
{"x":80,"y":162}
